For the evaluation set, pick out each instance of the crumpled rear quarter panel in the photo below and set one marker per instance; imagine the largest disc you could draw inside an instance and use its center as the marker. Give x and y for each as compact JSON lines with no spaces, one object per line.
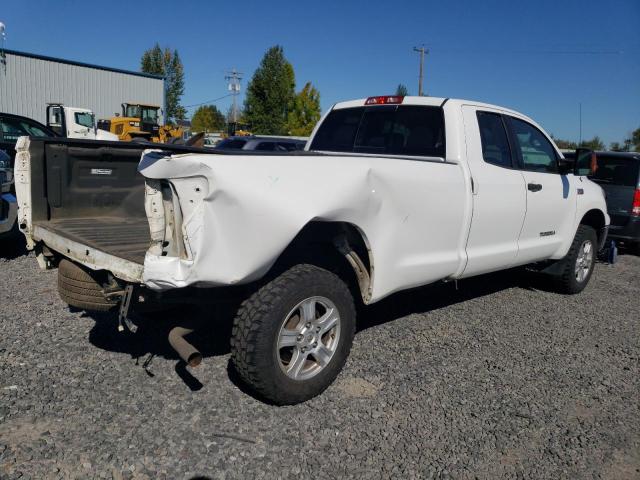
{"x":251,"y":207}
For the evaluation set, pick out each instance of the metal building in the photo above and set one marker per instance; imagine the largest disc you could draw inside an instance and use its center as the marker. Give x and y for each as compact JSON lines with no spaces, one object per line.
{"x":28,"y":82}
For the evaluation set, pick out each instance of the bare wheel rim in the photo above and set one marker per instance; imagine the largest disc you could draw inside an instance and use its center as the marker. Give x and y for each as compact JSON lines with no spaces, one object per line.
{"x":308,"y":338}
{"x":584,"y":261}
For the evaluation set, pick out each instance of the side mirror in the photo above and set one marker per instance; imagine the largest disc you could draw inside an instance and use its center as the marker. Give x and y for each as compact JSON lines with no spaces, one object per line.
{"x":586,"y":163}
{"x":565,"y":166}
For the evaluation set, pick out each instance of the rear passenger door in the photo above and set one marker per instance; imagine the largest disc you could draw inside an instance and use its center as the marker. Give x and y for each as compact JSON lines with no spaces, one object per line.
{"x":499,"y":199}
{"x":551,"y":201}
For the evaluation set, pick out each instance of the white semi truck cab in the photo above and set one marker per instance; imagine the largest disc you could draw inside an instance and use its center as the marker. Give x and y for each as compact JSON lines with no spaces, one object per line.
{"x":74,"y":122}
{"x":392,"y":193}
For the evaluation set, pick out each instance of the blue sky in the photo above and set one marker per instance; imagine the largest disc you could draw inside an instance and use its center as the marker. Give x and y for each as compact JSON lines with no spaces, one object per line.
{"x":542,"y":58}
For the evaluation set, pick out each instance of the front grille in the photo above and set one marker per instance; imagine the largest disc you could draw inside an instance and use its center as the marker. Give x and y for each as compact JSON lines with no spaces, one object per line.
{"x":149,"y":127}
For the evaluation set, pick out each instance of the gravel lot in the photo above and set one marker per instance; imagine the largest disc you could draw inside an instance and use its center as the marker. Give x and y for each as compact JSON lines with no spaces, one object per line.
{"x":499,"y":379}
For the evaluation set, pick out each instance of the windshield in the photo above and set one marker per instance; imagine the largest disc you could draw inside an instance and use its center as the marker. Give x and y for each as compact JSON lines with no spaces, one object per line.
{"x":85,"y":119}
{"x":149,"y":115}
{"x":411,"y":130}
{"x":144,"y":113}
{"x":132,"y":111}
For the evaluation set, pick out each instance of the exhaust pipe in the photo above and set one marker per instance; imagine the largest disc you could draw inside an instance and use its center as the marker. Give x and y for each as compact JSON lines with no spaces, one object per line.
{"x":187,"y":352}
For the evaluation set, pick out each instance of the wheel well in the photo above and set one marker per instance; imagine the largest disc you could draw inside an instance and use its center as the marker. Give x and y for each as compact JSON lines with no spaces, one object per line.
{"x":340,"y":247}
{"x":595,"y":219}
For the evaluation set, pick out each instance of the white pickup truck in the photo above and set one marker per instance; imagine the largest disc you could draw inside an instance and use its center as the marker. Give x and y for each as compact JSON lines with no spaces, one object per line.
{"x":391,"y":193}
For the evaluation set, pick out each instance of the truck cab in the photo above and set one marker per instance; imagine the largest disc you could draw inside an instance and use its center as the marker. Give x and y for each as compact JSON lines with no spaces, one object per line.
{"x":73,"y":122}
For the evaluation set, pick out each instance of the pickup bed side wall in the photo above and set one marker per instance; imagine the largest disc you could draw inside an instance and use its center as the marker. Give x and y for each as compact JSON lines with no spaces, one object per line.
{"x":410,"y":211}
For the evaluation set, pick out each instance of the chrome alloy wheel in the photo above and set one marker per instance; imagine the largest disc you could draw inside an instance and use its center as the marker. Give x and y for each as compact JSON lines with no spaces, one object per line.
{"x":584,"y":261}
{"x":308,"y":338}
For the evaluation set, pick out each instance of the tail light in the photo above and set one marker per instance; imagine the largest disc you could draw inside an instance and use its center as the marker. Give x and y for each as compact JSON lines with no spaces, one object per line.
{"x":636,"y":204}
{"x":385,"y":100}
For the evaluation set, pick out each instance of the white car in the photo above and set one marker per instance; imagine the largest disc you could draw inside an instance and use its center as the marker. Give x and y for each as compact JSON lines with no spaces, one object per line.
{"x":392,"y":193}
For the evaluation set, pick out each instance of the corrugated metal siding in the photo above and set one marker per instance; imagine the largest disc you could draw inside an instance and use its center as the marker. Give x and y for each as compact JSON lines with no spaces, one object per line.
{"x":29,"y":84}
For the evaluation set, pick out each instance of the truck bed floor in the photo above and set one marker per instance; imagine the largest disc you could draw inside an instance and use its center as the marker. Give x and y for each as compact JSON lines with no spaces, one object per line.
{"x":121,"y":237}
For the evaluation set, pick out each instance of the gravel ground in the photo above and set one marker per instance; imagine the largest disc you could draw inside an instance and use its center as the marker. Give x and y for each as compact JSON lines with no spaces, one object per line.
{"x":498,"y":379}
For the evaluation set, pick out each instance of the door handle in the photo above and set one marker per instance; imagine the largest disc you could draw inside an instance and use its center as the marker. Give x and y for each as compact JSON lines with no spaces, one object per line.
{"x":534,"y":187}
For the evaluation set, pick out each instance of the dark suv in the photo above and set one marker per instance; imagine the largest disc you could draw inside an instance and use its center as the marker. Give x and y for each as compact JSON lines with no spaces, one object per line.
{"x":618,"y":173}
{"x":14,"y":126}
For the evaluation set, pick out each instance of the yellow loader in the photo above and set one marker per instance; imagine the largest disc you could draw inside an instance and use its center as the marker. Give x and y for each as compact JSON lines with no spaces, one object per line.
{"x":140,"y":122}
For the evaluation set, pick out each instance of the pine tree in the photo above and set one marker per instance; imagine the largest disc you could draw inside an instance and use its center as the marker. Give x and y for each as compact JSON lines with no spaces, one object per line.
{"x":207,"y":118}
{"x":167,"y":63}
{"x":402,"y":90}
{"x":270,"y":94}
{"x":305,"y":112}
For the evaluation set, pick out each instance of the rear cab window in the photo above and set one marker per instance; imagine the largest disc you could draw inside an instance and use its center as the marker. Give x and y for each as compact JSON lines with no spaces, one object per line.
{"x":403,"y":130}
{"x":615,"y":170}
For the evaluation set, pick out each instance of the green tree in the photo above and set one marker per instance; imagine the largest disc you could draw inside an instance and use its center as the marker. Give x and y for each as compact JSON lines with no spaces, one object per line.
{"x":402,"y":90}
{"x":616,"y":147}
{"x":167,"y":63}
{"x":270,"y":94}
{"x":635,"y":139}
{"x":305,"y":111}
{"x":207,"y":118}
{"x":564,"y":144}
{"x":594,"y":144}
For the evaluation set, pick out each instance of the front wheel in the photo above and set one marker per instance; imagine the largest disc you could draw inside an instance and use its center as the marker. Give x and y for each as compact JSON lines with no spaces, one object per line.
{"x":577,"y":267}
{"x":292,"y":337}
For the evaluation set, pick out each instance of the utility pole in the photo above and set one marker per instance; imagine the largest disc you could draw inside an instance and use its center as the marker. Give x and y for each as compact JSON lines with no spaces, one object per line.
{"x":3,"y":57}
{"x":234,"y":77}
{"x":422,"y":52}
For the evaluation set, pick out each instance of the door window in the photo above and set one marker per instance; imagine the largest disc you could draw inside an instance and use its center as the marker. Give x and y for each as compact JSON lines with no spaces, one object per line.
{"x":495,"y":143}
{"x":84,"y":119}
{"x":535,"y":151}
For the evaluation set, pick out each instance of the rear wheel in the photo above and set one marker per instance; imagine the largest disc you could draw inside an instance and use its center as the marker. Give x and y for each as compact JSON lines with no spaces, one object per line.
{"x":577,"y":267}
{"x":80,"y":288}
{"x":292,"y":337}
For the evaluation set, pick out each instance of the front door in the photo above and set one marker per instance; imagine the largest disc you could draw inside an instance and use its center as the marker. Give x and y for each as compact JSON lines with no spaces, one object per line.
{"x":551,"y":200}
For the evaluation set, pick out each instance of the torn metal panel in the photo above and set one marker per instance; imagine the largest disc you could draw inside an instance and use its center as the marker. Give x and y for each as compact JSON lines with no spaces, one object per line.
{"x":240,"y":212}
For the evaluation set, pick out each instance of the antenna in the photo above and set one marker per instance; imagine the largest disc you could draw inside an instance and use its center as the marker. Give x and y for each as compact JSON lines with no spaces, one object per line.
{"x":234,"y":77}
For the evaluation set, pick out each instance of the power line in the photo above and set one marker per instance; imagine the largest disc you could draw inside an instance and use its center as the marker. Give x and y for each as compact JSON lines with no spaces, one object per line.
{"x":208,"y":101}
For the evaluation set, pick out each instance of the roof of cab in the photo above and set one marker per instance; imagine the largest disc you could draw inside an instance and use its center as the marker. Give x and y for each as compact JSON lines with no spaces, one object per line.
{"x":435,"y":102}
